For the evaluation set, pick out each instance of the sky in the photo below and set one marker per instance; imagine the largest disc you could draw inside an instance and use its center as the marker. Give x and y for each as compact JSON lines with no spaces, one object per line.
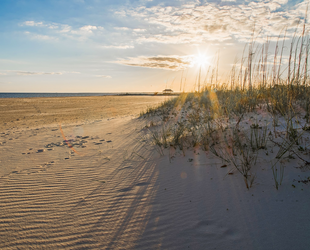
{"x":131,"y":45}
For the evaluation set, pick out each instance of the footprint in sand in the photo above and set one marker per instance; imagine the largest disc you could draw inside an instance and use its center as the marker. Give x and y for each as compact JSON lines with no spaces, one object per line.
{"x":142,"y":184}
{"x":211,"y":228}
{"x":127,"y":167}
{"x":125,"y":189}
{"x":34,"y":170}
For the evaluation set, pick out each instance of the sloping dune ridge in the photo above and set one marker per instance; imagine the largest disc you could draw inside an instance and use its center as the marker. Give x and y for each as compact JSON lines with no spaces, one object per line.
{"x":95,"y":182}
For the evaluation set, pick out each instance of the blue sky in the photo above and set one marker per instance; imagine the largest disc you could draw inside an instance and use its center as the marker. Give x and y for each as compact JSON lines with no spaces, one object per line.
{"x":128,"y":45}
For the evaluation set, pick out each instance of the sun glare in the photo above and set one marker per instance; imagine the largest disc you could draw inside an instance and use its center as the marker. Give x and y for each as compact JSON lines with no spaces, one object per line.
{"x":201,"y":60}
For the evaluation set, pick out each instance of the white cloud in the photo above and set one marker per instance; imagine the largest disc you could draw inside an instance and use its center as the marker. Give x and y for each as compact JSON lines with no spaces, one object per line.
{"x":121,"y":28}
{"x":103,"y":76}
{"x":282,"y":2}
{"x":40,"y":37}
{"x":199,"y":23}
{"x":29,"y":73}
{"x":70,"y":72}
{"x":64,"y":28}
{"x":34,"y":73}
{"x":191,"y":23}
{"x":2,"y":74}
{"x":32,"y":23}
{"x":88,"y":28}
{"x":11,"y":61}
{"x":139,"y":30}
{"x":44,"y":37}
{"x":54,"y":31}
{"x":53,"y":26}
{"x":117,"y":47}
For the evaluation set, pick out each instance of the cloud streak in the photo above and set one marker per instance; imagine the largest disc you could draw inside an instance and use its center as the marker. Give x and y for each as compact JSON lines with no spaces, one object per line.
{"x":103,"y":76}
{"x":117,"y":47}
{"x":32,"y":23}
{"x":29,"y":73}
{"x":174,"y":63}
{"x":54,"y":31}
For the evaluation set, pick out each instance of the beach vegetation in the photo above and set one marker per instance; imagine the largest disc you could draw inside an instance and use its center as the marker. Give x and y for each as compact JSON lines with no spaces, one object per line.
{"x":264,"y":105}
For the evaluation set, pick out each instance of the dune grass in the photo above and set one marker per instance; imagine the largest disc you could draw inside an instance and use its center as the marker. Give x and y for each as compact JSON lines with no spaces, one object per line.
{"x":265,"y":105}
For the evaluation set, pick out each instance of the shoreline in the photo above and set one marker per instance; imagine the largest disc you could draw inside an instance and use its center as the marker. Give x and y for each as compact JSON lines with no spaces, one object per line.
{"x":9,"y":95}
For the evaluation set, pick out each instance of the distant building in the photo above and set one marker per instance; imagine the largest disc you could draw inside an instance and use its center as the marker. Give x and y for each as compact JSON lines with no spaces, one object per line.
{"x":167,"y":91}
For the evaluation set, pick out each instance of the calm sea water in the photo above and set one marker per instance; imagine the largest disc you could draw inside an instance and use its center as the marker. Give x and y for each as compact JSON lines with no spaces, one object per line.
{"x":29,"y":95}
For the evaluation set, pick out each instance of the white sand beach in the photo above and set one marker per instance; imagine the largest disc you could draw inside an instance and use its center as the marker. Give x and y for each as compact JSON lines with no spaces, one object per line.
{"x":93,"y":181}
{"x":148,"y":125}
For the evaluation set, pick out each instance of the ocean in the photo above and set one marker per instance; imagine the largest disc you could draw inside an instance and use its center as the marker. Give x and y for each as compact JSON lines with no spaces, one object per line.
{"x":29,"y":95}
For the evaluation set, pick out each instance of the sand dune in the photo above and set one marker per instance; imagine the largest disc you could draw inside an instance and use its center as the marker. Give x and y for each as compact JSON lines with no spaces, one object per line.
{"x":112,"y":190}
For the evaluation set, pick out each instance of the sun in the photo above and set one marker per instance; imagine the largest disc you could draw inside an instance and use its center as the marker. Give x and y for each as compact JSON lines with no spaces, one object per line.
{"x":201,"y":60}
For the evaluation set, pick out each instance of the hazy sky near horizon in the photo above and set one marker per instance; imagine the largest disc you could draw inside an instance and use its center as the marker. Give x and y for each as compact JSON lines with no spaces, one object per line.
{"x":129,"y":45}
